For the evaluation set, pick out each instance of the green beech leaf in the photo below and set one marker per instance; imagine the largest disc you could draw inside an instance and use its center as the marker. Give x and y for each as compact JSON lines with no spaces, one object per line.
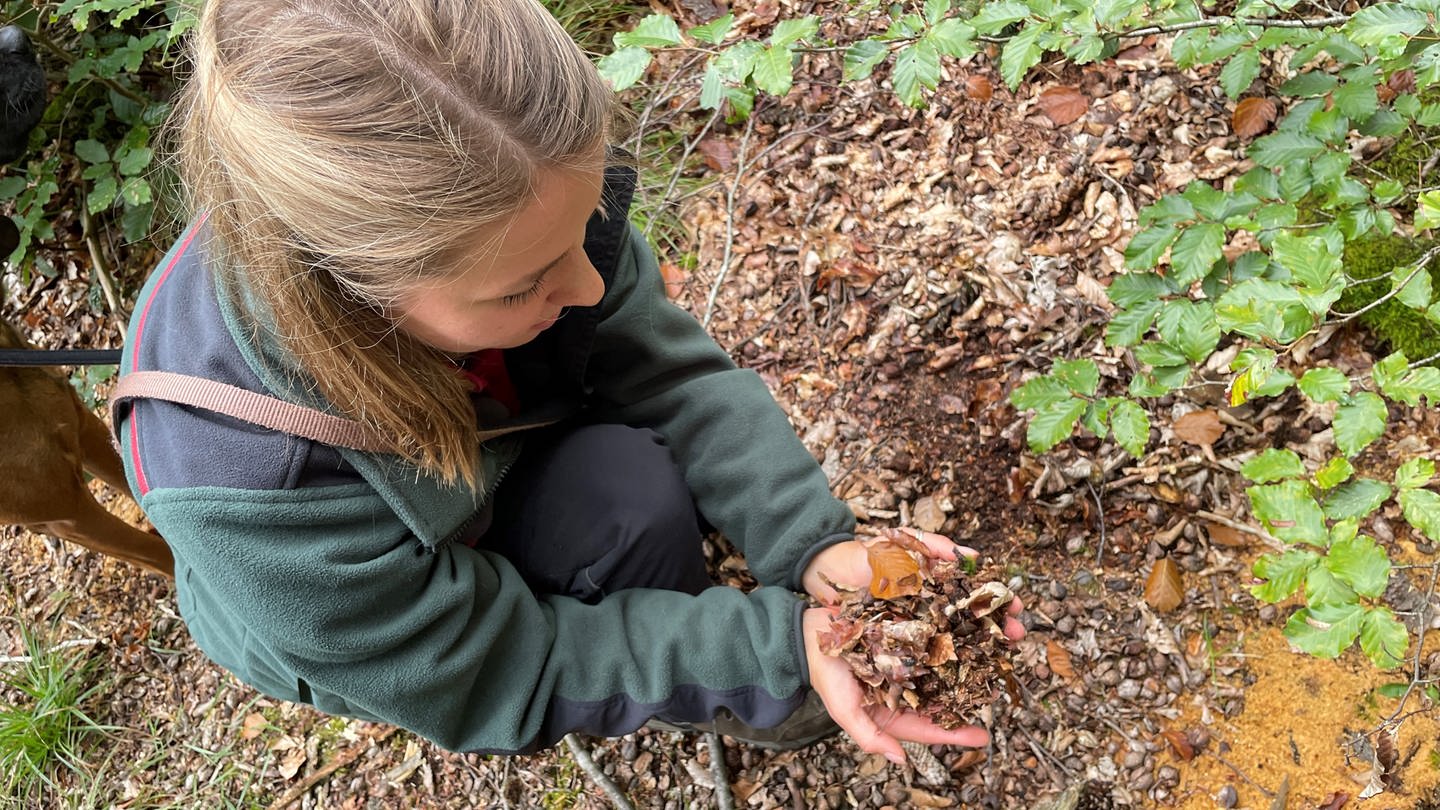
{"x":1196,"y":251}
{"x":1080,"y":376}
{"x":1322,"y":587}
{"x":916,"y":66}
{"x":1130,"y":426}
{"x":1128,"y":326}
{"x":1416,"y":292}
{"x":1240,"y":71}
{"x":1373,"y":24}
{"x":1171,"y":209}
{"x":737,"y":62}
{"x":953,"y":38}
{"x":1335,"y":472}
{"x":1384,"y":639}
{"x":1189,"y":326}
{"x":1020,"y":54}
{"x":91,"y":151}
{"x":1273,"y":151}
{"x":1158,"y":354}
{"x":1414,"y":473}
{"x":1039,"y":392}
{"x":1273,"y":465}
{"x":1135,"y":288}
{"x":774,"y":71}
{"x":1325,"y":631}
{"x":994,"y":16}
{"x":1308,"y":258}
{"x":1359,"y":422}
{"x":1361,"y":564}
{"x":862,"y":57}
{"x":1421,"y":508}
{"x":1283,"y":573}
{"x":713,"y":32}
{"x":1097,"y":416}
{"x":1356,"y":499}
{"x":789,"y":32}
{"x":1325,"y":384}
{"x":1054,"y":423}
{"x":1147,"y":246}
{"x":1309,"y":84}
{"x":624,"y":67}
{"x":655,"y":31}
{"x":1357,"y":100}
{"x":935,"y":10}
{"x":712,"y":88}
{"x":1289,"y":512}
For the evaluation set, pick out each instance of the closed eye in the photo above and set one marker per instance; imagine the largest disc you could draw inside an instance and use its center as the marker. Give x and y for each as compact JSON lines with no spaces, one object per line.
{"x":516,"y":299}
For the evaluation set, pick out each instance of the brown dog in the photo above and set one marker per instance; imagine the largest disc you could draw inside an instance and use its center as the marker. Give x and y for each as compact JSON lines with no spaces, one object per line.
{"x":47,"y":437}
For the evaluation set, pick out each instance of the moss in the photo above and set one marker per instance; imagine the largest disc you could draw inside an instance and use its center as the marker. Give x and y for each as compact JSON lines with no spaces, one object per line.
{"x":1398,"y":326}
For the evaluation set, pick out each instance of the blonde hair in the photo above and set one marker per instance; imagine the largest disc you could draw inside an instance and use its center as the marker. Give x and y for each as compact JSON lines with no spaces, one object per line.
{"x":341,"y":148}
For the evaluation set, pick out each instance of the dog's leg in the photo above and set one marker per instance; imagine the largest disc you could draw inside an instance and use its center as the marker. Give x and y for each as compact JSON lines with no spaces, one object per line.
{"x":96,"y":529}
{"x":99,"y":454}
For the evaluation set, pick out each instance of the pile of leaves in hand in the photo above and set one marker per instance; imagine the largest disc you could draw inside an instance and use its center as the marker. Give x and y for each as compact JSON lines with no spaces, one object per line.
{"x":926,"y":635}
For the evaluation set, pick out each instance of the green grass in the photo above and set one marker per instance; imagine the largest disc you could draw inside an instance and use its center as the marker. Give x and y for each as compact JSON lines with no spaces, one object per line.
{"x":44,"y":720}
{"x":591,"y":23}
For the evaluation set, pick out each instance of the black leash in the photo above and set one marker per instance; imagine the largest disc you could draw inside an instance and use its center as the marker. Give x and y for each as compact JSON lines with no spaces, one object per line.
{"x":59,"y":357}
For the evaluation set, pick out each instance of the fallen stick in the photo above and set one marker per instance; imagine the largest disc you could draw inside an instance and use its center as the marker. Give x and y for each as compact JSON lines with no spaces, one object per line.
{"x":587,"y":764}
{"x":345,"y":757}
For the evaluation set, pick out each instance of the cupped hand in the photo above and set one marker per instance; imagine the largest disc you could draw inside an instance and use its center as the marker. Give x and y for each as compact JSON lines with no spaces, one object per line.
{"x":848,"y":564}
{"x":876,"y":729}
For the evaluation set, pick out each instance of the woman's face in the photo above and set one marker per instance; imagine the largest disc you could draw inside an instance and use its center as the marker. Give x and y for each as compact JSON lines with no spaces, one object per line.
{"x":514,"y":279}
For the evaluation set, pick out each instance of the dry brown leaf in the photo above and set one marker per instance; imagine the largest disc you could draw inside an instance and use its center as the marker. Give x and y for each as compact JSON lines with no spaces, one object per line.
{"x":978,"y":88}
{"x":1226,"y":536}
{"x":717,"y":153}
{"x":928,"y":515}
{"x":291,"y":762}
{"x":255,"y":723}
{"x":1253,"y":116}
{"x":1199,"y":427}
{"x":893,"y":571}
{"x":924,"y":798}
{"x":1168,"y":494}
{"x":674,"y":278}
{"x":1059,"y":660}
{"x":1164,"y":588}
{"x":1335,"y":801}
{"x":1063,"y":104}
{"x":1179,"y":743}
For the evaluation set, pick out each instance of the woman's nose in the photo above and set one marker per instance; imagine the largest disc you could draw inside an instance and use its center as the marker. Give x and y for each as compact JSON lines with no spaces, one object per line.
{"x":583,"y":286}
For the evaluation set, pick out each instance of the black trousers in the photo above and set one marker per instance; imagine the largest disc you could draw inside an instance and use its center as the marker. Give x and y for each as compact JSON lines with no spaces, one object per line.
{"x":594,"y":509}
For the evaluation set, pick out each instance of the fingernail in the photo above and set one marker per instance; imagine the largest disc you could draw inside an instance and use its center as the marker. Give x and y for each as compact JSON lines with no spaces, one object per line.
{"x":898,"y":759}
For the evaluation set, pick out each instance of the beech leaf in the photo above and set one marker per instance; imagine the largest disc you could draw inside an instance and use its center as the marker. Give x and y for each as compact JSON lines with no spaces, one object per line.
{"x":1063,"y":104}
{"x":978,"y":88}
{"x":1059,"y":660}
{"x":1199,"y":427}
{"x":894,"y":572}
{"x":1253,"y":116}
{"x":1164,"y":588}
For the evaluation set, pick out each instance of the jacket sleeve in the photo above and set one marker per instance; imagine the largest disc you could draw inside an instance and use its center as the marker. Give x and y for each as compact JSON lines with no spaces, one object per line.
{"x":321,"y":595}
{"x":653,"y":365}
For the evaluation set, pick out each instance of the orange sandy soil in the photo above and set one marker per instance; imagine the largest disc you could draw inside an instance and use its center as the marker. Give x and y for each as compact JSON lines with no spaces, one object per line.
{"x":1298,"y":714}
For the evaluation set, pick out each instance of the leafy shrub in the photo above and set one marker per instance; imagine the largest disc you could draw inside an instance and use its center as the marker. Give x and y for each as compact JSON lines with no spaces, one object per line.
{"x":109,"y":63}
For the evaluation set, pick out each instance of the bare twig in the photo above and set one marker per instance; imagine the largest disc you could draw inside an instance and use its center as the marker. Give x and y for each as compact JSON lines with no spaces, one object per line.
{"x":730,"y":195}
{"x":1415,"y":680}
{"x":587,"y":764}
{"x":1099,"y":520}
{"x":724,"y":800}
{"x":1211,"y":22}
{"x":98,"y":264}
{"x":1269,"y":539}
{"x":1268,"y":793}
{"x":342,"y":759}
{"x":1420,"y":265}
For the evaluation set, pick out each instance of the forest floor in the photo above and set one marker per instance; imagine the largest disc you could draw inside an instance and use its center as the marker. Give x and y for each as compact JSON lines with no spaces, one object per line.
{"x":893,"y":274}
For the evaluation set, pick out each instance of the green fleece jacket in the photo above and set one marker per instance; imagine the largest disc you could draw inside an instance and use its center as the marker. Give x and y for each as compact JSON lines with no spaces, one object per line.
{"x":332,"y":577}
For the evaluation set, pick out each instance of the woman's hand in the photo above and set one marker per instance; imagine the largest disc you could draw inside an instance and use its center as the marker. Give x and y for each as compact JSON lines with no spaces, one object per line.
{"x":876,"y":729}
{"x":848,"y":563}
